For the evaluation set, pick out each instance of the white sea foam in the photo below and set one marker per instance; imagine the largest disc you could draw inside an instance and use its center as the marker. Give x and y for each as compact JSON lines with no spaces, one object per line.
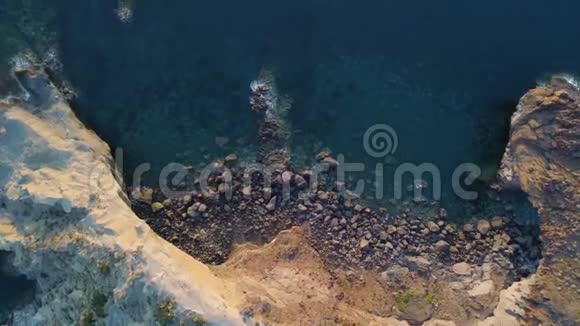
{"x":124,"y":13}
{"x":21,"y":62}
{"x":572,"y":80}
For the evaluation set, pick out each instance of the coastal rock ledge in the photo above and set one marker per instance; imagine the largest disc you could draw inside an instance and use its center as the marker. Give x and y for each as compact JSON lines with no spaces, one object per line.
{"x":543,"y":160}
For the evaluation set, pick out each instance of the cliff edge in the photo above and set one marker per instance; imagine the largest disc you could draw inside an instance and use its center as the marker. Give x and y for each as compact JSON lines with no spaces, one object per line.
{"x":543,"y":160}
{"x":65,"y":223}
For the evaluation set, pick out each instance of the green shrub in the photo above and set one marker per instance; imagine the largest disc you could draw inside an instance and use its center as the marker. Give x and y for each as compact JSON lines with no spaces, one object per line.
{"x":199,"y":321}
{"x":165,"y":313}
{"x":98,"y":303}
{"x":87,"y":319}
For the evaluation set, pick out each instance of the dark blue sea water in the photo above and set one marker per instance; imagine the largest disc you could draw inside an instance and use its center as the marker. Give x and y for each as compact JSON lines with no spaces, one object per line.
{"x":445,"y":75}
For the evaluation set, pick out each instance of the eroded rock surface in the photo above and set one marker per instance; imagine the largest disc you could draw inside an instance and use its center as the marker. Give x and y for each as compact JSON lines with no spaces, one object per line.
{"x":543,"y":160}
{"x":66,"y":222}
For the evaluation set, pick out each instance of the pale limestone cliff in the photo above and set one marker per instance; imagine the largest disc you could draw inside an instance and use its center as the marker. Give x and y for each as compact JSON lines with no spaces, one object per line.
{"x":63,"y":216}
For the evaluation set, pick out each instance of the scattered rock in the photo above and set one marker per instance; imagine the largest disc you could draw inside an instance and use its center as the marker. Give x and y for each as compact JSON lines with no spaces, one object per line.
{"x":347,"y":204}
{"x":299,"y":181}
{"x":231,"y":159}
{"x":433,"y":227}
{"x":463,"y":269}
{"x":468,"y":228}
{"x":147,"y":195}
{"x":383,"y":236}
{"x":483,"y":226}
{"x":395,"y":273}
{"x":482,"y":289}
{"x":155,"y":207}
{"x":417,"y":262}
{"x":271,"y":204}
{"x":364,"y":244}
{"x":247,"y":192}
{"x":191,"y":212}
{"x":322,"y":155}
{"x":287,"y":177}
{"x":497,"y":222}
{"x":442,"y":246}
{"x":332,"y":163}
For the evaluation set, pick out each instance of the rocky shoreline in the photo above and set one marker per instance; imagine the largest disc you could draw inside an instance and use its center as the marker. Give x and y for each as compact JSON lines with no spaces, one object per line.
{"x":232,"y":202}
{"x":346,"y":234}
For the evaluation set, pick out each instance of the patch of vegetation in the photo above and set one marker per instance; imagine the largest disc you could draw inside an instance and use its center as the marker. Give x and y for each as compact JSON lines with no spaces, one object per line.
{"x":405,"y":298}
{"x":165,"y":313}
{"x":87,"y":319}
{"x":199,"y":321}
{"x":98,"y":302}
{"x":104,"y":267}
{"x":429,"y":298}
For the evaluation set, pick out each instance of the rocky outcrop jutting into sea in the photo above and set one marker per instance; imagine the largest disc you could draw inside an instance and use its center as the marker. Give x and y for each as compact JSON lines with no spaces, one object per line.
{"x":274,"y":134}
{"x":543,"y":159}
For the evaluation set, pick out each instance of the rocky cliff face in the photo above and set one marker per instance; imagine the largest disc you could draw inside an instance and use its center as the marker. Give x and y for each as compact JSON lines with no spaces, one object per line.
{"x":543,"y":160}
{"x":65,"y":222}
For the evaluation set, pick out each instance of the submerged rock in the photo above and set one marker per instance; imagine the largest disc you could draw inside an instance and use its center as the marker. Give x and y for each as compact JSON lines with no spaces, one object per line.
{"x":483,"y":226}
